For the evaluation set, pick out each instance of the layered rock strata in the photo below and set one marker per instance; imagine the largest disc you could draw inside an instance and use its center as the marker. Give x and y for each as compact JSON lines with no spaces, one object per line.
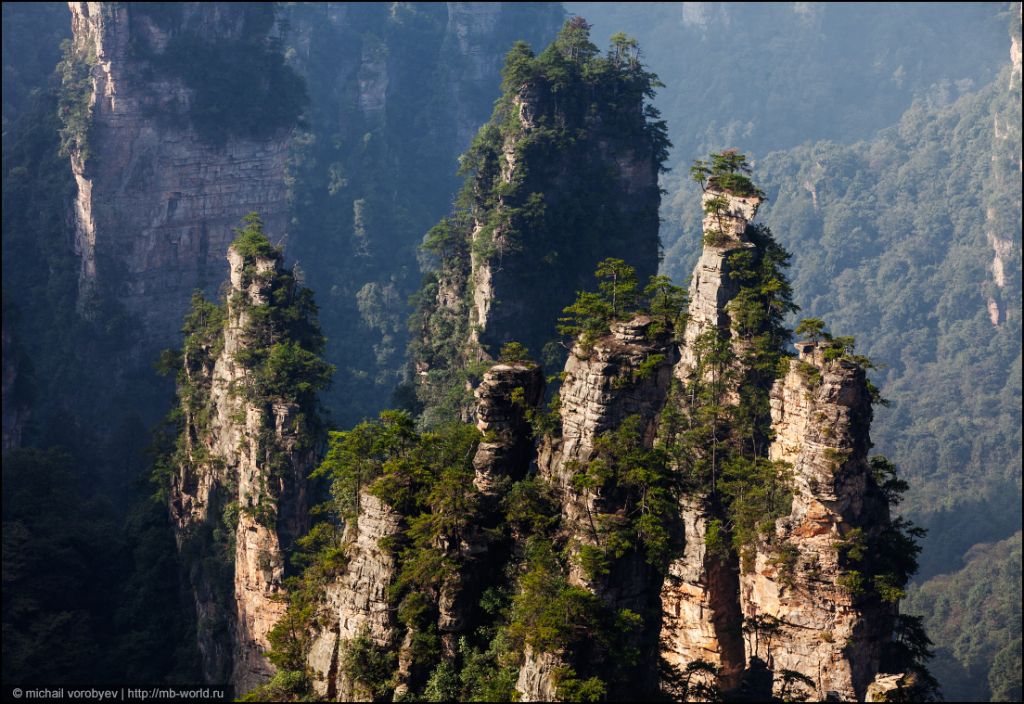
{"x":821,"y":414}
{"x":503,"y":398}
{"x":357,"y":603}
{"x":603,"y":386}
{"x":243,"y":471}
{"x":156,"y":202}
{"x":700,"y":612}
{"x":711,"y":287}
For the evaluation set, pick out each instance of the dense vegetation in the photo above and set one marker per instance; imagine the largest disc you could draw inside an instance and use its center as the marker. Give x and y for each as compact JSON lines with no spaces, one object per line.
{"x":76,"y":510}
{"x":369,"y":182}
{"x":974,"y":616}
{"x":541,"y":204}
{"x":942,"y":314}
{"x":32,"y":33}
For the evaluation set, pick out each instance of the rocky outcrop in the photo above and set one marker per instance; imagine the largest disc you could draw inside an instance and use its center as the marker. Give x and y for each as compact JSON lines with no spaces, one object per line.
{"x":357,"y":603}
{"x":701,"y":619}
{"x":157,"y":202}
{"x":602,"y":387}
{"x":544,"y":210}
{"x":503,"y":398}
{"x":821,"y":413}
{"x":625,"y":373}
{"x":700,"y":614}
{"x":242,"y":470}
{"x":711,"y":288}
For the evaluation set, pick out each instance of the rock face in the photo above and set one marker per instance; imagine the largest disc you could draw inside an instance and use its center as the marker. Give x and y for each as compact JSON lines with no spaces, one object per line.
{"x":603,"y":386}
{"x":545,"y":210}
{"x":514,"y":295}
{"x":821,"y":427}
{"x":243,"y":471}
{"x":502,"y":400}
{"x":701,"y":619}
{"x":711,"y":288}
{"x":156,"y":202}
{"x":357,"y":602}
{"x":601,"y":389}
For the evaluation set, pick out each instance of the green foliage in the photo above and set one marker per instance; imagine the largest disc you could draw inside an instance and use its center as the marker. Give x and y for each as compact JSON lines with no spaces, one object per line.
{"x":728,"y":172}
{"x":911,"y":278}
{"x":618,"y":286}
{"x":908,"y":652}
{"x":587,"y":318}
{"x":974,"y":617}
{"x":251,"y":242}
{"x":75,"y":97}
{"x":620,"y":298}
{"x":667,"y":304}
{"x":698,"y":681}
{"x":428,"y":479}
{"x":784,"y":559}
{"x":531,"y":509}
{"x":369,"y":665}
{"x":812,"y":329}
{"x":551,"y":616}
{"x":282,"y":341}
{"x":635,"y":481}
{"x":285,"y":685}
{"x":568,"y":687}
{"x":758,"y":492}
{"x":561,"y":205}
{"x":86,"y":592}
{"x":514,"y":353}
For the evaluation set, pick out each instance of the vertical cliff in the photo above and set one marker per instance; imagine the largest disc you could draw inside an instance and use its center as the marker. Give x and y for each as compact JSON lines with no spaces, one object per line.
{"x":786,"y":581}
{"x":247,"y":384}
{"x":700,"y":615}
{"x":423,"y":540}
{"x":617,"y":384}
{"x":564,"y":175}
{"x":726,"y":217}
{"x":163,"y":156}
{"x":825,"y":624}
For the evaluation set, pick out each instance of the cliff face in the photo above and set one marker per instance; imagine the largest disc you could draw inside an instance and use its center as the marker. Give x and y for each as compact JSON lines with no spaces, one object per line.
{"x":357,"y":608}
{"x":821,"y":414}
{"x":504,"y":395}
{"x":555,"y":186}
{"x":711,"y":287}
{"x":357,"y":603}
{"x":795,"y":602}
{"x":238,"y":496}
{"x":397,"y":93}
{"x":624,"y":171}
{"x":625,"y":374}
{"x":700,"y":614}
{"x":157,"y":200}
